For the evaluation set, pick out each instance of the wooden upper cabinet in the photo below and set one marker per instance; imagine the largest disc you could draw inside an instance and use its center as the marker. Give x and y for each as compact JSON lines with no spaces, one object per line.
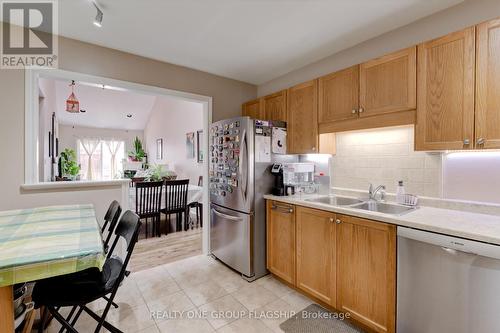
{"x":389,"y":83}
{"x":488,"y":85}
{"x":316,"y":253}
{"x":339,"y":95}
{"x":253,"y":109}
{"x":366,"y":272}
{"x":281,"y":240}
{"x":445,"y":114}
{"x":303,"y":118}
{"x":274,"y":106}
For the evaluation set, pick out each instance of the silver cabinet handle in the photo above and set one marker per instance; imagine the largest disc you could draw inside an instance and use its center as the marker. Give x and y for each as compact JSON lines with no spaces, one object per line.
{"x":466,"y":142}
{"x":338,"y":221}
{"x":313,"y":148}
{"x":354,"y":111}
{"x":331,"y":219}
{"x":283,"y":209}
{"x":361,"y":110}
{"x":480,"y":141}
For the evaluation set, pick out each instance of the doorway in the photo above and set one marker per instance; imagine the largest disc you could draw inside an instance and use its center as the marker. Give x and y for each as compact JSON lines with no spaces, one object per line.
{"x":156,"y":147}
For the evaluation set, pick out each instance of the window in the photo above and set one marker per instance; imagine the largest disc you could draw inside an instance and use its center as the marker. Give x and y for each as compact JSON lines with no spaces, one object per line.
{"x":101,"y":159}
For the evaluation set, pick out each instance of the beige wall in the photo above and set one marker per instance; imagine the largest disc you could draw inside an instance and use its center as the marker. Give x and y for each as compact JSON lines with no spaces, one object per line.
{"x":227,"y":94}
{"x":170,"y":120}
{"x":468,"y":13}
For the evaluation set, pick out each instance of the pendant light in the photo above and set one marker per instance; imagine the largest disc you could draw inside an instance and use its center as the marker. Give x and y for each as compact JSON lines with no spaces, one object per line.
{"x":72,"y":103}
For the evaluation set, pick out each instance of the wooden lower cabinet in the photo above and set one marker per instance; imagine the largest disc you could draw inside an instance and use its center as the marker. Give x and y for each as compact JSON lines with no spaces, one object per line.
{"x":316,"y":253}
{"x":281,"y":240}
{"x":366,"y":272}
{"x":344,"y":262}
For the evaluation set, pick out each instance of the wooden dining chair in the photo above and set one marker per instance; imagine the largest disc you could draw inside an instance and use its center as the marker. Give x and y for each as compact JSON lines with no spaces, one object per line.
{"x":199,"y":211}
{"x":176,"y":192}
{"x":148,"y":196}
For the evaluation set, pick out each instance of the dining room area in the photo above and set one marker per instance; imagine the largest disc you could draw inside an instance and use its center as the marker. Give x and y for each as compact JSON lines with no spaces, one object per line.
{"x":172,"y":214}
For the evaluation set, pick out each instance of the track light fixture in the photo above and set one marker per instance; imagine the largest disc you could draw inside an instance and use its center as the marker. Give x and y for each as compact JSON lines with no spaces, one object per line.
{"x":98,"y":17}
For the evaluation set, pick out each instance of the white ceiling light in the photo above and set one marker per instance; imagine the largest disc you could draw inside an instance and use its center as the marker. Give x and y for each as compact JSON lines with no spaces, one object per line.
{"x":98,"y":17}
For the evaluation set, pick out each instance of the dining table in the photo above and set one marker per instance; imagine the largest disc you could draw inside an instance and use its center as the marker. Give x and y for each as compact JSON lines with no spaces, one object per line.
{"x":39,"y":243}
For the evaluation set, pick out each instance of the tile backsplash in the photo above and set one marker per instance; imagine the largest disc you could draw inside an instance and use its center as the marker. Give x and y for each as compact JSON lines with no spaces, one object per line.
{"x":384,"y":156}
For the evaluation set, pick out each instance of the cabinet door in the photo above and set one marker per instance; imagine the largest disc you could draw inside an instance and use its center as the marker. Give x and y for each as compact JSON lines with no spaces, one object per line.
{"x":275,"y":106}
{"x":366,"y":272}
{"x":339,"y":95}
{"x":488,"y":85}
{"x":389,"y":83}
{"x":445,"y":113}
{"x":253,"y":109}
{"x":303,"y":118}
{"x":281,"y":240}
{"x":316,"y":266}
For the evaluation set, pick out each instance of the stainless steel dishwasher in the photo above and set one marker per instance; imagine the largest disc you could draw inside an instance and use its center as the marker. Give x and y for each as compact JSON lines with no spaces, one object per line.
{"x":446,"y":284}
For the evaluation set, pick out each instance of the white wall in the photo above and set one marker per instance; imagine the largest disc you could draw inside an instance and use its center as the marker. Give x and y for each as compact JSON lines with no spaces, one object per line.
{"x":68,"y":136}
{"x":385,"y":156}
{"x":170,"y":120}
{"x":46,"y":108}
{"x":468,"y":13}
{"x":472,"y":176}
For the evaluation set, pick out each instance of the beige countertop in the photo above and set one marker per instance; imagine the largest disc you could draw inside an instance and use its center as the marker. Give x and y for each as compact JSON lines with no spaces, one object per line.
{"x":474,"y":226}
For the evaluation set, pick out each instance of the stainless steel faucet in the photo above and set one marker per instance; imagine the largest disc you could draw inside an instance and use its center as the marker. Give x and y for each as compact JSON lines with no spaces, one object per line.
{"x":372,"y":193}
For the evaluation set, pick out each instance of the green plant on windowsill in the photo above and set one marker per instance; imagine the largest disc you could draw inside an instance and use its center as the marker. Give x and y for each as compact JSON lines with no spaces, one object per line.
{"x":138,"y":154}
{"x":69,"y":167}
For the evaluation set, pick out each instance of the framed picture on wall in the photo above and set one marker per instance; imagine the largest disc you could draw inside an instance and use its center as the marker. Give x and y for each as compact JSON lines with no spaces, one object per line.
{"x":190,"y":145}
{"x":199,"y":145}
{"x":159,"y":149}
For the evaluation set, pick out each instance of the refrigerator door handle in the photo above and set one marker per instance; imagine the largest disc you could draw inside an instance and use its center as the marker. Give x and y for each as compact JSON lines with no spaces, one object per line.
{"x":227,"y":217}
{"x":244,"y":166}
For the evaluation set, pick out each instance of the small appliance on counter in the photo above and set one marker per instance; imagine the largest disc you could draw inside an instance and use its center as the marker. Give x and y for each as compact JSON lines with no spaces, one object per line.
{"x":298,"y":178}
{"x":279,"y":186}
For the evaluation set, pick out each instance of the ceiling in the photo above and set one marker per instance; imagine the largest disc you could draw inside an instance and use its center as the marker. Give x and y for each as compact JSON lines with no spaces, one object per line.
{"x":248,"y":40}
{"x":105,"y":108}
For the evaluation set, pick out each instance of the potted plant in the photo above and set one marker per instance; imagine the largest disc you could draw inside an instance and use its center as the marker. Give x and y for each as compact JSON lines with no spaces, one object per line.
{"x":137,"y":155}
{"x":69,"y":167}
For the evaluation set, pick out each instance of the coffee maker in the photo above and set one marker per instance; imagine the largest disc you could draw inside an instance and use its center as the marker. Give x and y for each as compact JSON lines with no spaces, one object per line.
{"x":279,"y":186}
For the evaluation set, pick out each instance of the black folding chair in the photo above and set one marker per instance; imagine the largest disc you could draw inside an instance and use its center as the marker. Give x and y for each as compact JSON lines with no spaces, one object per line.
{"x":112,"y":216}
{"x":176,"y":192}
{"x":81,"y":288}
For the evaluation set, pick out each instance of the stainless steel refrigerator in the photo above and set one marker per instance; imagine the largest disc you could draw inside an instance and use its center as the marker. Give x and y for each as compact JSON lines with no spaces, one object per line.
{"x":241,"y":153}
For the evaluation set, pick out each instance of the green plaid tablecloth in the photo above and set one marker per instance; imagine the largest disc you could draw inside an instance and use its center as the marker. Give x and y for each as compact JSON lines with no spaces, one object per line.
{"x":48,"y":241}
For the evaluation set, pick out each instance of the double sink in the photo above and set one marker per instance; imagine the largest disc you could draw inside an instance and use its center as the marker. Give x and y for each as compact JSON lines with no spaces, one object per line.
{"x":369,"y":205}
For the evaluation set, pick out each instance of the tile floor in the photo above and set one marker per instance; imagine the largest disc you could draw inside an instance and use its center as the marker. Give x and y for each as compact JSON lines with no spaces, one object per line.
{"x":200,"y":295}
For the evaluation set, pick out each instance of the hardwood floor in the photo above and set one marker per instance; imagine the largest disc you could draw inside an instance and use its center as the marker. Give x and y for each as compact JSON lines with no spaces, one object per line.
{"x":157,"y":251}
